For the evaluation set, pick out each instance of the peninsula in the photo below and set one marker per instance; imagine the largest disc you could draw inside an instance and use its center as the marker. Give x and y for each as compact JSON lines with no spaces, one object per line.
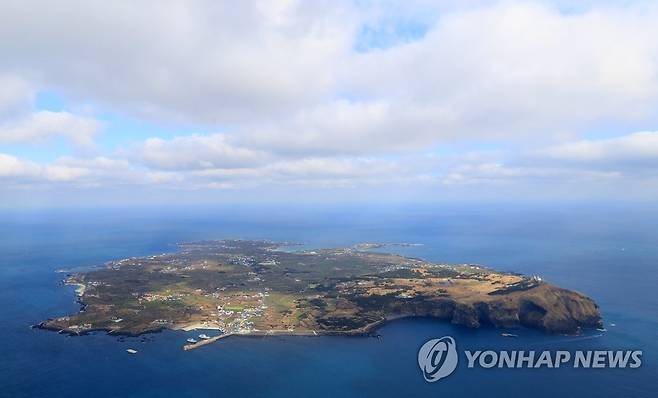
{"x":256,"y":288}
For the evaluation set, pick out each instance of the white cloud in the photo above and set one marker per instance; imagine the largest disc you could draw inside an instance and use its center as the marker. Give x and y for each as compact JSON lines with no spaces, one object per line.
{"x":59,"y":173}
{"x":211,"y":61}
{"x":638,"y":148}
{"x":15,"y":96}
{"x":12,"y":167}
{"x":482,"y":173}
{"x":349,"y":128}
{"x":537,"y":176}
{"x":323,"y":167}
{"x":94,"y":171}
{"x":520,"y":69}
{"x":505,"y":73}
{"x":289,"y":73}
{"x":79,"y":171}
{"x":20,"y":171}
{"x":627,"y":159}
{"x":44,"y":125}
{"x":306,"y":172}
{"x":298,"y":104}
{"x":196,"y":152}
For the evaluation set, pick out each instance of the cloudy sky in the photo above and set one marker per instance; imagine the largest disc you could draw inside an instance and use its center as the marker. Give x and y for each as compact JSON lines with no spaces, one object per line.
{"x":198,"y":102}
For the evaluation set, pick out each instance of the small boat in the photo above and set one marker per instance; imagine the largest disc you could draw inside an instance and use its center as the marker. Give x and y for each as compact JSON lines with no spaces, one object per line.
{"x":613,"y":324}
{"x":204,"y":336}
{"x":131,"y":351}
{"x":191,"y":340}
{"x":509,"y":335}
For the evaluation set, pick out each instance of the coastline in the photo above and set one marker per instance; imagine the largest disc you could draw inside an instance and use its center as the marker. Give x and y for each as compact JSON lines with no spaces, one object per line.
{"x":364,"y":331}
{"x":367,"y":330}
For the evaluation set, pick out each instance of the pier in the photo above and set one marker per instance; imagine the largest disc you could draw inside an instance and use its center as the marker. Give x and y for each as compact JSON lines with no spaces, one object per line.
{"x":188,"y":347}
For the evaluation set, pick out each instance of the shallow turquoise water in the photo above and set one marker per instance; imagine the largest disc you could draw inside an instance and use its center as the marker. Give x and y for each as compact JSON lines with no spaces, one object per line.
{"x":607,"y":252}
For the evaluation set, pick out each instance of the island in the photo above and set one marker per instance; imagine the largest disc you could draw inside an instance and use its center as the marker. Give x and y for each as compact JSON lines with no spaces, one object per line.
{"x":251,"y":287}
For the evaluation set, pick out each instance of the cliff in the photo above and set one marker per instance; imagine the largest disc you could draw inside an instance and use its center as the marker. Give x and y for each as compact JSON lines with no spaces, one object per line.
{"x":545,"y":307}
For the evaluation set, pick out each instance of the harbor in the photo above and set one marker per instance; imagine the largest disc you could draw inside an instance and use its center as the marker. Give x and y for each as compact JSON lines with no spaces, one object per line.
{"x":203,"y":342}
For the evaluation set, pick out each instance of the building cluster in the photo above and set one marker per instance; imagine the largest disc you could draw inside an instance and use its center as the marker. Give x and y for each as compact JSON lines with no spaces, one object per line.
{"x":232,"y":320}
{"x":242,"y":260}
{"x":160,"y":296}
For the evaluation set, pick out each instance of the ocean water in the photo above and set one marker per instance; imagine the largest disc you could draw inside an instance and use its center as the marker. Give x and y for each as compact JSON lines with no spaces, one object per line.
{"x":609,"y":252}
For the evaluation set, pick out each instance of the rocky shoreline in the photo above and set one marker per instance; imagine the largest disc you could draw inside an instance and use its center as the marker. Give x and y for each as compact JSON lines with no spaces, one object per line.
{"x":568,"y":313}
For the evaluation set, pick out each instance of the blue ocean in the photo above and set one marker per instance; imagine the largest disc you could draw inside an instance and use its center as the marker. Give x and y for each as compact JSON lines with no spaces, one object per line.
{"x":609,"y":252}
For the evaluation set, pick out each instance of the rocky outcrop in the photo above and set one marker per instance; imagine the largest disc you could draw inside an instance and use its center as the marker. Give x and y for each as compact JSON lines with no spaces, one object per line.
{"x":545,"y":307}
{"x":465,"y":314}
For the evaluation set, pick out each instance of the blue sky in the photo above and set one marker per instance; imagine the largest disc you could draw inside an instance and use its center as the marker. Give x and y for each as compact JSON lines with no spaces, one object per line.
{"x":351,"y":100}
